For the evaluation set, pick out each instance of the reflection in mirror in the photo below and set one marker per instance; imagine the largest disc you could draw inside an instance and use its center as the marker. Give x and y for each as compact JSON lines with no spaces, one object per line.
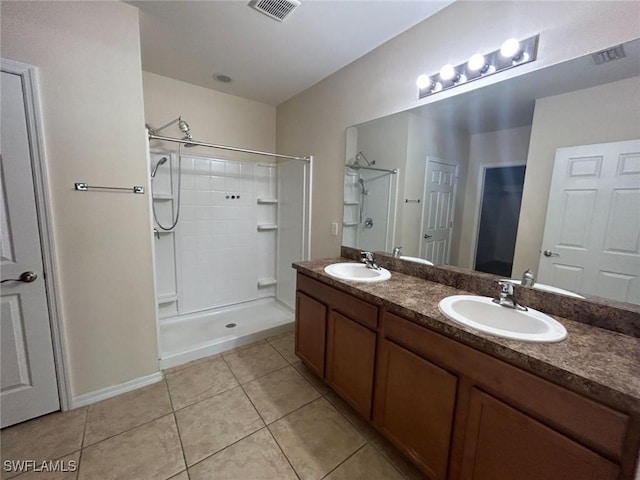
{"x":540,"y":172}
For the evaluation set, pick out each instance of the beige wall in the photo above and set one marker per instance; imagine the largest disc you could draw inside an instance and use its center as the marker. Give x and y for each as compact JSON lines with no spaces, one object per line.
{"x":214,"y":117}
{"x":88,"y":56}
{"x":383,"y":81}
{"x":503,"y":147}
{"x":607,"y":113}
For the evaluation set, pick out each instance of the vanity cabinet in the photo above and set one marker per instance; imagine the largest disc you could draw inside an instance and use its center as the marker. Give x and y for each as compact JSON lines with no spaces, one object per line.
{"x":457,"y":412}
{"x":336,"y":337}
{"x":508,"y":423}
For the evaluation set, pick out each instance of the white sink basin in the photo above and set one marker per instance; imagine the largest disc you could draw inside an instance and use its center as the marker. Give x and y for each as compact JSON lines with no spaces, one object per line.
{"x":415,"y":259}
{"x":483,"y":314}
{"x":546,"y":288}
{"x":356,"y":272}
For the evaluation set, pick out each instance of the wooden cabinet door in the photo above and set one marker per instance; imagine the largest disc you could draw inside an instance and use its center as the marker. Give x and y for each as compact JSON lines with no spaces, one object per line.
{"x":415,"y":401}
{"x":311,"y":327}
{"x":351,"y":352}
{"x":502,"y":443}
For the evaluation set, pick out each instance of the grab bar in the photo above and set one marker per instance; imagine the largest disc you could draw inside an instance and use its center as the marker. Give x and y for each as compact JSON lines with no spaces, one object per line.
{"x":83,"y":187}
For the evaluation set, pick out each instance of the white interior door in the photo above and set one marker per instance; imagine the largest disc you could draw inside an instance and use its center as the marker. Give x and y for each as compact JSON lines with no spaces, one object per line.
{"x":28,"y":386}
{"x":591,"y":241}
{"x":437,"y":213}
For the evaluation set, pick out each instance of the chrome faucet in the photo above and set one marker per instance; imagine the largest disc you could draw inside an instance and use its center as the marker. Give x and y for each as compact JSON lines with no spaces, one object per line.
{"x":396,"y":252}
{"x":368,"y":260}
{"x":505,"y":297}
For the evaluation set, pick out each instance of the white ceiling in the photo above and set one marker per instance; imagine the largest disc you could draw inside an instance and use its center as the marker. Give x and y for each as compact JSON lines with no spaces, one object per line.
{"x":269,"y":61}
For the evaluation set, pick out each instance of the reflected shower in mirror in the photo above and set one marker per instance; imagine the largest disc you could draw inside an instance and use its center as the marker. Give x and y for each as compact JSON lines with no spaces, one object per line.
{"x":369,"y":205}
{"x":539,"y":171}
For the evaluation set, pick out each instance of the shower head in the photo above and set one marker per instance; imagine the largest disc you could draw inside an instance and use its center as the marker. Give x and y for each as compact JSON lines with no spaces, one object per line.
{"x":360,"y":156}
{"x":155,"y":168}
{"x":184,"y":126}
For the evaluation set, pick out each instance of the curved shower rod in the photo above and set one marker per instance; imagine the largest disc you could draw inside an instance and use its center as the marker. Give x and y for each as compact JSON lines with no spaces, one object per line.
{"x":193,"y":143}
{"x":360,"y":167}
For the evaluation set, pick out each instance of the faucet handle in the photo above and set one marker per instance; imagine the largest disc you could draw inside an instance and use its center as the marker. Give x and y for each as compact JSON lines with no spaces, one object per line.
{"x":506,"y":287}
{"x":366,"y":257}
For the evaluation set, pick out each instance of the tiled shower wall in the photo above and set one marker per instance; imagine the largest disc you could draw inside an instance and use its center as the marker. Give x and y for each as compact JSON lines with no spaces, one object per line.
{"x":219,"y":251}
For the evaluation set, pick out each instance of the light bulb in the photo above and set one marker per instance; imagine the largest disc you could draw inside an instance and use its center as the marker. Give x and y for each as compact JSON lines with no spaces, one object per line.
{"x":423,"y":81}
{"x":510,"y":48}
{"x":447,"y":72}
{"x":476,"y":62}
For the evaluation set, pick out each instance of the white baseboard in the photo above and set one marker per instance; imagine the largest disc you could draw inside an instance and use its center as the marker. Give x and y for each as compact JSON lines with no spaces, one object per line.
{"x":108,"y":392}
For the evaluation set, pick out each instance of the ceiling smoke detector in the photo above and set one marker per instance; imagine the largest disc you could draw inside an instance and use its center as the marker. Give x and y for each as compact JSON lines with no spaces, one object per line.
{"x":276,"y":9}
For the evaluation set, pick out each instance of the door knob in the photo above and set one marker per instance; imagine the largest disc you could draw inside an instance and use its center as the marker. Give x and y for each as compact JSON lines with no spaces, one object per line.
{"x":549,"y":253}
{"x":427,"y":236}
{"x":26,"y":277}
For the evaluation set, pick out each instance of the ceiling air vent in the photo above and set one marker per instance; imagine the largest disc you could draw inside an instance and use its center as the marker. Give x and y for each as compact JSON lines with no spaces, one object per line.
{"x":608,"y":55}
{"x":276,"y":9}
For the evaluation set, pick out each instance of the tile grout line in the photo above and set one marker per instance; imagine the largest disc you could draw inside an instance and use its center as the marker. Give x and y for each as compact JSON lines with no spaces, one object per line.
{"x":185,"y":366}
{"x":84,"y":447}
{"x":259,"y":376}
{"x":84,"y":433}
{"x":282,"y":450}
{"x":175,"y":420}
{"x":240,"y":439}
{"x":344,"y":461}
{"x":267,"y":425}
{"x":390,"y":461}
{"x":367,"y":440}
{"x":226,"y":447}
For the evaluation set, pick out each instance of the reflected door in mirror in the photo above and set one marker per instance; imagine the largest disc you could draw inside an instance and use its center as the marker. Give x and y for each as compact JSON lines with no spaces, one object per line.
{"x":437,"y":214}
{"x":593,"y":221}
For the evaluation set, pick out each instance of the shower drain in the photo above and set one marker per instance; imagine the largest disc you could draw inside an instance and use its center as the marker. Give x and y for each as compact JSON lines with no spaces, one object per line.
{"x":230,"y":325}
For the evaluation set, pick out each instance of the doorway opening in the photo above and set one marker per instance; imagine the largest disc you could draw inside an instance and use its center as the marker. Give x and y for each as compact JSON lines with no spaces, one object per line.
{"x":499,"y":214}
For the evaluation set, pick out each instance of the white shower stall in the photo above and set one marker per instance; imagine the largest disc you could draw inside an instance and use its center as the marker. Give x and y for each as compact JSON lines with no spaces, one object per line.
{"x":223,"y":273}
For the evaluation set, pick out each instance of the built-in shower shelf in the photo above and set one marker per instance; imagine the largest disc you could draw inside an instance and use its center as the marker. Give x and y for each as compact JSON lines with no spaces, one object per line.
{"x":162,"y":299}
{"x":162,"y":196}
{"x":267,"y":201}
{"x":349,"y":224}
{"x":267,"y":227}
{"x":351,"y":203}
{"x":266,"y":282}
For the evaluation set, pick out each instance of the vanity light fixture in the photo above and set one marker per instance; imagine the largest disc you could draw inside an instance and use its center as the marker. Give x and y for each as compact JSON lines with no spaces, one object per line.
{"x":512,"y":53}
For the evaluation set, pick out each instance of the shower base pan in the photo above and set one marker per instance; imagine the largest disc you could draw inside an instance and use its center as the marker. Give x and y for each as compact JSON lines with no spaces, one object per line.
{"x":197,"y":335}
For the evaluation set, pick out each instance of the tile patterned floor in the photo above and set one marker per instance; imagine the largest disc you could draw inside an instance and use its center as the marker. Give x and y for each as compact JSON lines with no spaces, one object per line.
{"x":254,"y":413}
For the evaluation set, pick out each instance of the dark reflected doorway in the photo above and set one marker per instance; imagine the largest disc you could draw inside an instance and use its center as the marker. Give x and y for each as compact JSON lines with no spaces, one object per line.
{"x":500,"y":211}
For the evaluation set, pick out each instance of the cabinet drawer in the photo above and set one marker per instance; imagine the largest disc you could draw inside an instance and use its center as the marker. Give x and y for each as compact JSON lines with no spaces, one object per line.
{"x":592,"y":424}
{"x":354,"y":308}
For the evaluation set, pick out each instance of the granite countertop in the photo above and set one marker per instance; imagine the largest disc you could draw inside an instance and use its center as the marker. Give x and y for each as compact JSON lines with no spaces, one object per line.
{"x":599,"y":363}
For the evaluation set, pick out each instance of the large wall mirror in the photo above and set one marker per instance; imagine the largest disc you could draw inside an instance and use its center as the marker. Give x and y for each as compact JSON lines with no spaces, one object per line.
{"x":537,"y":172}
